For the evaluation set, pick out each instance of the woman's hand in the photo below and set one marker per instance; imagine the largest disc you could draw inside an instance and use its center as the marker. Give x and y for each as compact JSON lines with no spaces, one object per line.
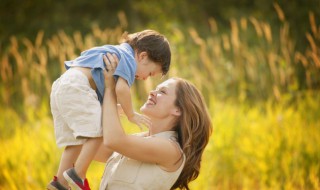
{"x":140,"y":120}
{"x":111,"y":65}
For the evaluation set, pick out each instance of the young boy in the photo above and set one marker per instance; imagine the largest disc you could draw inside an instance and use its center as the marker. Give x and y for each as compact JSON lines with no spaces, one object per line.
{"x":77,"y":96}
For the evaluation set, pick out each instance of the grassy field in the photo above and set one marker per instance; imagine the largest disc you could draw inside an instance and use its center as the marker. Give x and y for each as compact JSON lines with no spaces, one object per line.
{"x":262,"y":92}
{"x":263,"y":147}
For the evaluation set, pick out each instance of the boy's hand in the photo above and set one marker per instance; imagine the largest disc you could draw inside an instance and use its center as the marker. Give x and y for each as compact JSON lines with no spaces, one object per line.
{"x":140,"y":120}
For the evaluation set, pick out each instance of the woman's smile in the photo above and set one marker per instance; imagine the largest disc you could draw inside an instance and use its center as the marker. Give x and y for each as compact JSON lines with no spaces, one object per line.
{"x":151,"y":101}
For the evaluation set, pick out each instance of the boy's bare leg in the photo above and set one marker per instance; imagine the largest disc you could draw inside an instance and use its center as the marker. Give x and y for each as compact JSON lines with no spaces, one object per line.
{"x":87,"y":154}
{"x":68,"y":158}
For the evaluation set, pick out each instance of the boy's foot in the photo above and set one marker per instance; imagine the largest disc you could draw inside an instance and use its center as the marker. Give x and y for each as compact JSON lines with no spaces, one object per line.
{"x":55,"y":185}
{"x":75,"y":181}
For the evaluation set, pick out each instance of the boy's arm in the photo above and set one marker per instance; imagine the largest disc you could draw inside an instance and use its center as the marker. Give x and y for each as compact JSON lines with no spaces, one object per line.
{"x":124,"y":97}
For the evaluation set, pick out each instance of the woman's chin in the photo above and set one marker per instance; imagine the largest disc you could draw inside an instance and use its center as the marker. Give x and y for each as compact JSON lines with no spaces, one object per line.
{"x":145,"y":109}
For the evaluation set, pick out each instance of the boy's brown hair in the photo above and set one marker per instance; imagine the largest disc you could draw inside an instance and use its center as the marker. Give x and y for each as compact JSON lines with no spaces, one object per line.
{"x":155,"y":44}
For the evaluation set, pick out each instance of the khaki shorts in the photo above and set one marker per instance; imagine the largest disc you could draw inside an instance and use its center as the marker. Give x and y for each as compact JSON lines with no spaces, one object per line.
{"x":75,"y":108}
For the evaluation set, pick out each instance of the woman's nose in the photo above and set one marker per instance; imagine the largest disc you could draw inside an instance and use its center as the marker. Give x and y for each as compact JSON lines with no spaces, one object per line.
{"x":153,"y":92}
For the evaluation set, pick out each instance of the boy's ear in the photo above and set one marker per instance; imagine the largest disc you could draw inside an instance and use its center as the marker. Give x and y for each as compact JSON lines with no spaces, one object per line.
{"x":142,"y":55}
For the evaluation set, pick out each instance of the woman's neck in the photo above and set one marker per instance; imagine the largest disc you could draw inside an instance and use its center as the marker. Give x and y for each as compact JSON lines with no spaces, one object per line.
{"x":160,"y":125}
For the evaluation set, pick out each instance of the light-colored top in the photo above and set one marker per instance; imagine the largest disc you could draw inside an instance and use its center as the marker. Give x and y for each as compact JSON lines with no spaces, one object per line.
{"x":125,"y":173}
{"x":93,"y":58}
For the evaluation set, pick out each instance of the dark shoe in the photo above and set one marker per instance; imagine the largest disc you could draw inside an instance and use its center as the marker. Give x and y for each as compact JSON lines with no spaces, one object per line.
{"x":75,"y":181}
{"x":55,"y":185}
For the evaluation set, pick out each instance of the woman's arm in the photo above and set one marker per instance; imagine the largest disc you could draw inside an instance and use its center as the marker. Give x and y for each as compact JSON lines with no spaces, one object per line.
{"x":103,"y":154}
{"x":153,"y":149}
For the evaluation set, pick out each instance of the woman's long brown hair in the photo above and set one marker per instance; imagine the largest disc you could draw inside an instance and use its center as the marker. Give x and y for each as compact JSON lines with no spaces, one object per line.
{"x":194,"y":129}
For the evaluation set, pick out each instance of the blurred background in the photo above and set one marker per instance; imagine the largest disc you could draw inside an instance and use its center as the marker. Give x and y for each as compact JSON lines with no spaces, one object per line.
{"x":257,"y":64}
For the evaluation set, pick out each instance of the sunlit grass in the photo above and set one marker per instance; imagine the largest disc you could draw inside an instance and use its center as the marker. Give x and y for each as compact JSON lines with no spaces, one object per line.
{"x":264,"y":147}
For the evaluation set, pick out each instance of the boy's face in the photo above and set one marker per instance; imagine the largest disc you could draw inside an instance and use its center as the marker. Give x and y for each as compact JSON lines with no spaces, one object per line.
{"x":146,"y":67}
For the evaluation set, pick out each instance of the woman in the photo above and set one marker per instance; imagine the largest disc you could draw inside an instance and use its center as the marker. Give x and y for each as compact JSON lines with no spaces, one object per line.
{"x":166,"y":157}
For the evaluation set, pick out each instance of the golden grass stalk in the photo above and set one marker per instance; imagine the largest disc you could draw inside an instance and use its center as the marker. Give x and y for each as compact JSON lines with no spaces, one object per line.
{"x":298,"y":57}
{"x":15,"y":53}
{"x":25,"y":87}
{"x":244,"y":24}
{"x":122,"y":19}
{"x":77,"y":37}
{"x":89,"y":41}
{"x":62,"y":58}
{"x":235,"y":41}
{"x":29,"y":47}
{"x":194,"y":34}
{"x":96,"y":31}
{"x":39,"y":39}
{"x":225,"y":42}
{"x":6,"y":69}
{"x":43,"y":60}
{"x":67,"y":41}
{"x":279,"y":12}
{"x":272,"y":59}
{"x":313,"y":25}
{"x":267,"y":32}
{"x":203,"y":52}
{"x":283,"y":76}
{"x":217,"y":49}
{"x":285,"y":44}
{"x":256,"y":25}
{"x":315,"y":59}
{"x":311,"y":42}
{"x":53,"y":46}
{"x":213,"y":25}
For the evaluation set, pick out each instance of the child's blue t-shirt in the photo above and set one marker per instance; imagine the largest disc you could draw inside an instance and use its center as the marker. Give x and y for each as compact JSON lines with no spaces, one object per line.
{"x":93,"y":58}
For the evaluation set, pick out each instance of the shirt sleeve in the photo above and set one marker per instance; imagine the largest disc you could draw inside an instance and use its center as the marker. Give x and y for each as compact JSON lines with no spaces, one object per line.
{"x":126,"y":69}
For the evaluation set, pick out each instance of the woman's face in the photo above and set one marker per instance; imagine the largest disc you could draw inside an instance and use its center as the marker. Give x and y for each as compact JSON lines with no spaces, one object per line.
{"x":160,"y":103}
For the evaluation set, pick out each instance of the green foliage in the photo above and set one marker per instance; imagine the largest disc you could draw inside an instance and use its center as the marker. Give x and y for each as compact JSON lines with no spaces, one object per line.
{"x":26,"y":18}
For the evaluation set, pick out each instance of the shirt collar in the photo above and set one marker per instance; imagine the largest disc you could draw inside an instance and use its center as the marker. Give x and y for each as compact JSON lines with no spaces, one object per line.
{"x":126,"y":47}
{"x":166,"y":134}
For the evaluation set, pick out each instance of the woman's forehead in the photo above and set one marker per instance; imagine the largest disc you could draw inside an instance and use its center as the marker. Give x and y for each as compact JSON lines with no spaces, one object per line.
{"x":167,"y":84}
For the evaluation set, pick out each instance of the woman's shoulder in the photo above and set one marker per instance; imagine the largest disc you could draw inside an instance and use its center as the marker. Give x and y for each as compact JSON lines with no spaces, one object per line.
{"x":141,"y":134}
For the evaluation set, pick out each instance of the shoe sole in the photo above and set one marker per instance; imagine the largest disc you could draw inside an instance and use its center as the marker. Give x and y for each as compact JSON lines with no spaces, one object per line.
{"x":71,"y":182}
{"x":51,"y":187}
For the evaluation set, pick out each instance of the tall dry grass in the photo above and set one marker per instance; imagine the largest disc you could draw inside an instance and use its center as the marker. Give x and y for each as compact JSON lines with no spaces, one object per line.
{"x":251,"y":61}
{"x":254,"y":60}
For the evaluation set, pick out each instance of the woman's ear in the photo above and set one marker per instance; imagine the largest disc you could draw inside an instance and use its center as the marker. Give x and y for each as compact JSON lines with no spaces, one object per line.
{"x":176,"y":112}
